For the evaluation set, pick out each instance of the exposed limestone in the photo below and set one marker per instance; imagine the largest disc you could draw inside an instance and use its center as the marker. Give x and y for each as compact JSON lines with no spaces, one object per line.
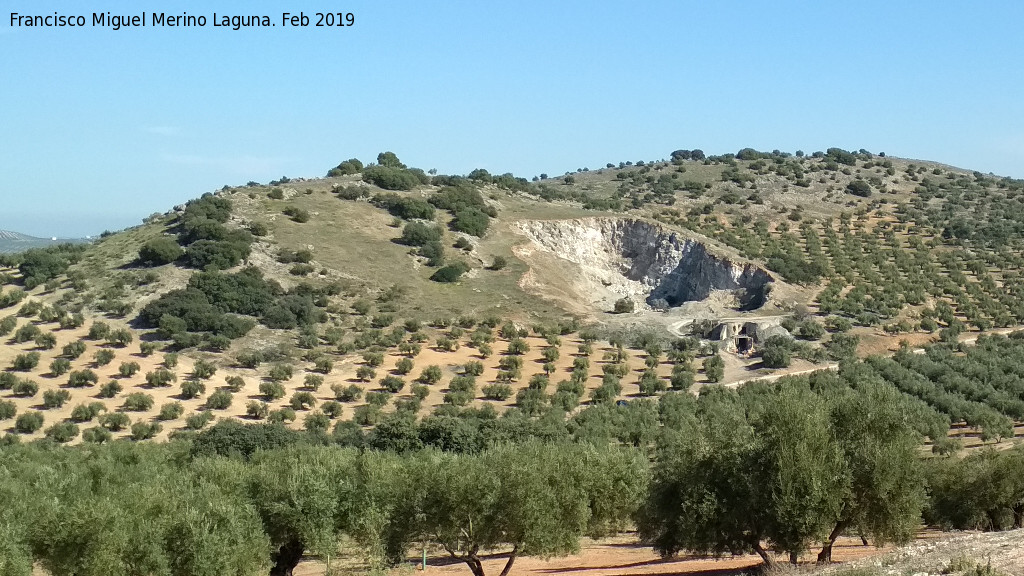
{"x":653,"y":265}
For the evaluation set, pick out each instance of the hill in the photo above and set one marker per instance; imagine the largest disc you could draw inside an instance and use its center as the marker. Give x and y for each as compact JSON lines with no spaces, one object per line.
{"x":17,"y":242}
{"x":380,"y":288}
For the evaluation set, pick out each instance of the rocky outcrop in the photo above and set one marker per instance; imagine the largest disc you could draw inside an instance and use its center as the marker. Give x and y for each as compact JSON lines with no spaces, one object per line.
{"x":643,"y":260}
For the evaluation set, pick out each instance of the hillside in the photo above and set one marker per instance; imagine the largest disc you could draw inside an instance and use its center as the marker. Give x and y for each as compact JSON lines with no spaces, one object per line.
{"x":605,"y":284}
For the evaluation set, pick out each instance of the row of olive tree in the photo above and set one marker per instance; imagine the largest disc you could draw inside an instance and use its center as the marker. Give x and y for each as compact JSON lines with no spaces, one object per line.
{"x":213,"y":515}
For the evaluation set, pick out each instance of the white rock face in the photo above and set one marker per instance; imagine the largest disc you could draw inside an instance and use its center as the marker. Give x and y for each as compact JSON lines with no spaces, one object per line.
{"x":646,"y":262}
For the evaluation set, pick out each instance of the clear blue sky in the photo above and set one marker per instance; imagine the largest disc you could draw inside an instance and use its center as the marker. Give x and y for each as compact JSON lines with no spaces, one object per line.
{"x":100,"y":128}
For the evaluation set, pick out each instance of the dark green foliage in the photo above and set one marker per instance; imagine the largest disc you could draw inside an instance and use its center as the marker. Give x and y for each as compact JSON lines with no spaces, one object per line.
{"x":160,"y":251}
{"x":450,"y":273}
{"x":777,"y":352}
{"x":350,"y":166}
{"x":110,"y":389}
{"x":138,"y":402}
{"x":145,"y":430}
{"x":219,"y":400}
{"x":419,"y":234}
{"x":115,"y":421}
{"x":404,"y":207}
{"x":859,"y":188}
{"x":392,"y":178}
{"x":25,"y":388}
{"x":28,"y":422}
{"x":7,"y":410}
{"x":470,"y":221}
{"x":62,"y":432}
{"x":55,"y":398}
{"x":25,"y":362}
{"x":171,"y":411}
{"x":39,"y":265}
{"x":624,"y":306}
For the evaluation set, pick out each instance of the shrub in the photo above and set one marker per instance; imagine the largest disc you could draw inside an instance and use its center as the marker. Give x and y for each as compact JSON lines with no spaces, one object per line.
{"x":198,"y":421}
{"x":28,"y":422}
{"x":46,"y":341}
{"x":365,"y":373}
{"x":375,"y":398}
{"x":160,"y":251}
{"x":62,"y":432}
{"x":332,"y":409}
{"x":170,"y":360}
{"x":129,"y":369}
{"x":110,"y":389}
{"x":203,"y":370}
{"x":272,"y":390}
{"x":296,"y":214}
{"x":7,"y":409}
{"x":138,"y":402}
{"x":257,"y":410}
{"x":624,"y":306}
{"x":192,"y":388}
{"x":96,"y":435}
{"x":219,"y":400}
{"x":25,"y":362}
{"x":115,"y":421}
{"x":431,"y":374}
{"x":147,"y":348}
{"x":235,"y":383}
{"x":86,"y":412}
{"x":74,"y":350}
{"x":392,"y":384}
{"x":859,"y":188}
{"x":450,"y":273}
{"x":26,"y":333}
{"x":499,"y":391}
{"x":281,"y":372}
{"x":103,"y":357}
{"x":316,"y":421}
{"x":281,"y":416}
{"x":499,"y":263}
{"x":419,"y":234}
{"x":714,"y":368}
{"x":55,"y":398}
{"x":161,"y":377}
{"x":350,"y":393}
{"x":25,"y":388}
{"x":276,"y":194}
{"x":145,"y":430}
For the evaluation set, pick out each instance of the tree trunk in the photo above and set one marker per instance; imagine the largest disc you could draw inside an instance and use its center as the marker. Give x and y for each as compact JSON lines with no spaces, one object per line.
{"x":768,"y":561}
{"x":287,"y":558}
{"x":511,"y":560}
{"x":825,"y":556}
{"x":1018,"y":516}
{"x":863,"y":540}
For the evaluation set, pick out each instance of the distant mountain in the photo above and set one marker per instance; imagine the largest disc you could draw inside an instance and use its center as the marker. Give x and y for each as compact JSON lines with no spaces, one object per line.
{"x":17,"y":242}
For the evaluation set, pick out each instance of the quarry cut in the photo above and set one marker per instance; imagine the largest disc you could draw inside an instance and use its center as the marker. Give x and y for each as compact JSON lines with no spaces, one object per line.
{"x":643,"y":261}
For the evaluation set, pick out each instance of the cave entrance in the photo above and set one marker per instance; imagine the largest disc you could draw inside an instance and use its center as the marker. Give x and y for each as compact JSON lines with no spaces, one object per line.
{"x":744,"y":344}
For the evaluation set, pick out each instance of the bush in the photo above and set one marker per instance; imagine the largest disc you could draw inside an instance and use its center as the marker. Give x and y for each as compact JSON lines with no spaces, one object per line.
{"x":103,"y":357}
{"x":257,"y":410}
{"x":499,"y":392}
{"x":115,"y":421}
{"x":316,"y":421}
{"x":145,"y":430}
{"x":859,"y":188}
{"x":471,"y":221}
{"x":128,"y":369}
{"x":296,"y":214}
{"x":431,"y":375}
{"x":281,"y":372}
{"x":86,"y":412}
{"x":776,"y":352}
{"x":110,"y":389}
{"x":332,"y":409}
{"x":25,"y":388}
{"x":391,"y":178}
{"x":624,"y":306}
{"x":419,"y":234}
{"x":350,"y":393}
{"x":272,"y":390}
{"x":7,"y":410}
{"x":350,"y":166}
{"x":714,"y":368}
{"x":55,"y":398}
{"x":198,"y":421}
{"x":62,"y":432}
{"x":192,"y":388}
{"x":281,"y":416}
{"x":161,"y":377}
{"x":28,"y":422}
{"x":219,"y":400}
{"x":450,"y":273}
{"x":498,"y":263}
{"x":235,"y":383}
{"x":159,"y":251}
{"x":138,"y":402}
{"x":25,"y":362}
{"x":203,"y":370}
{"x":392,"y":384}
{"x":96,"y":435}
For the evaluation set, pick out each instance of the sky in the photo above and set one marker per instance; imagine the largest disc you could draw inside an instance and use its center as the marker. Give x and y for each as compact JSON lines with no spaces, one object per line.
{"x":100,"y":128}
